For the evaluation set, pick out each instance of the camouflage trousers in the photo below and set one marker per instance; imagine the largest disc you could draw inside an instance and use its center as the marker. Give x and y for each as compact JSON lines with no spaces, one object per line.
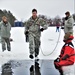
{"x":34,"y":44}
{"x":5,"y":41}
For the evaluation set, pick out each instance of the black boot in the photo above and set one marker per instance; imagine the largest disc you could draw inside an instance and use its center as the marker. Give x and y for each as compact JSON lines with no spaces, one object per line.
{"x":9,"y":50}
{"x":31,"y":56}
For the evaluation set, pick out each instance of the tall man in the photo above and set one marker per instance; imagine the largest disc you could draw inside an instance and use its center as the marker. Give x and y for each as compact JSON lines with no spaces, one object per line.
{"x":5,"y":28}
{"x":33,"y":29}
{"x":68,"y":26}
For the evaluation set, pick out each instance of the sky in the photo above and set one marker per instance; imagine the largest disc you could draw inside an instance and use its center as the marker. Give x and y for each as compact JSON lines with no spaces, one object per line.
{"x":22,"y":8}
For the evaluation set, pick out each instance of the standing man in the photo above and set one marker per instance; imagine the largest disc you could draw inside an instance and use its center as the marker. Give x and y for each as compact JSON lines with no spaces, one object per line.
{"x":34,"y":31}
{"x":5,"y":28}
{"x":68,"y":26}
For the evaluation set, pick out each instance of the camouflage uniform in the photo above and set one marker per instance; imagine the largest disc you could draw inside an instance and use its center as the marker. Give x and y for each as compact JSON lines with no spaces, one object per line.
{"x":33,"y":26}
{"x":5,"y":35}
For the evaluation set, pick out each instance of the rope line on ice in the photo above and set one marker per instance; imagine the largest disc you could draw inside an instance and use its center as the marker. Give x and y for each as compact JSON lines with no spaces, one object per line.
{"x":54,"y":47}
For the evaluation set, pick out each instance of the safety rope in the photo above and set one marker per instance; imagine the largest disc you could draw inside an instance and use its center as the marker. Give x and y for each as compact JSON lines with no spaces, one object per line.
{"x":54,"y":47}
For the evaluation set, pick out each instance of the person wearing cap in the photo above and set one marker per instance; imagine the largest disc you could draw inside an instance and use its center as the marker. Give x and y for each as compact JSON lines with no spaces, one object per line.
{"x":5,"y":28}
{"x":33,"y":28}
{"x":68,"y":25}
{"x":65,"y":62}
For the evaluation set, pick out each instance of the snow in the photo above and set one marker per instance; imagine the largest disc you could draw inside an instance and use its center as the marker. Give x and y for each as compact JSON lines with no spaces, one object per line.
{"x":20,"y":49}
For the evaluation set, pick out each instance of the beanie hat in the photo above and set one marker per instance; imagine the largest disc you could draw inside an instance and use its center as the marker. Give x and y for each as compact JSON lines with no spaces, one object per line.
{"x":67,"y":13}
{"x":68,"y":36}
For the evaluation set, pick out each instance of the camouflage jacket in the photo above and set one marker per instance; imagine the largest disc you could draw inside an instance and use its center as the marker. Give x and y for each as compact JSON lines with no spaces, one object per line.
{"x":35,"y":25}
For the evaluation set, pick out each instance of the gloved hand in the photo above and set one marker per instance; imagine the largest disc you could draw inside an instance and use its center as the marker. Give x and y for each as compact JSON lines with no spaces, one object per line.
{"x":26,"y":32}
{"x":66,"y":18}
{"x":42,"y":29}
{"x":57,"y":66}
{"x":62,"y":27}
{"x":11,"y":39}
{"x":57,"y":60}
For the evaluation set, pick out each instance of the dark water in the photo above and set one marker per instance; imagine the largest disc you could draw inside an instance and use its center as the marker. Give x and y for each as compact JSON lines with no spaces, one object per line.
{"x":29,"y":67}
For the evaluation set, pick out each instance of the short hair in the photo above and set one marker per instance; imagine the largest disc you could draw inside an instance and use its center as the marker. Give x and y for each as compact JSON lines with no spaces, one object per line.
{"x":4,"y":17}
{"x":34,"y":10}
{"x":67,"y":13}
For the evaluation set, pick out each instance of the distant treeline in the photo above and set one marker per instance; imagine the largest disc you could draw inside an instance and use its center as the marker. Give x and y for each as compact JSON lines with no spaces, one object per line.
{"x":50,"y":21}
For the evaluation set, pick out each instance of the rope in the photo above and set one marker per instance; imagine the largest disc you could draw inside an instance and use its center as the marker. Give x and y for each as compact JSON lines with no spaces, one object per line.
{"x":54,"y":48}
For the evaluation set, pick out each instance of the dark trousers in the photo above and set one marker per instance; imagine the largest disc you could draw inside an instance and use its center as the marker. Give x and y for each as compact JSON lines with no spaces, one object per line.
{"x":57,"y":29}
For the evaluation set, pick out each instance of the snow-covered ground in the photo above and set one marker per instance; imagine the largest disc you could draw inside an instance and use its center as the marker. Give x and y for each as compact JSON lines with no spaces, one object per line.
{"x":20,"y":49}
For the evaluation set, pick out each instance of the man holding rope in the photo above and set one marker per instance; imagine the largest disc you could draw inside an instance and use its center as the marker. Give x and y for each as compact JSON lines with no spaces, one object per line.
{"x":68,"y":25}
{"x":33,"y":30}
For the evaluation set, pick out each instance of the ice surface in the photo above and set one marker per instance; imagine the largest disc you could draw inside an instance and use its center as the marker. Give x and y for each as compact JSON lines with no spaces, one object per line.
{"x":20,"y":49}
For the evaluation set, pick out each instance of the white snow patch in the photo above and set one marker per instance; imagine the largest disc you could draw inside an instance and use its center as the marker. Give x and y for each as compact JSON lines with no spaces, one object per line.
{"x":20,"y":49}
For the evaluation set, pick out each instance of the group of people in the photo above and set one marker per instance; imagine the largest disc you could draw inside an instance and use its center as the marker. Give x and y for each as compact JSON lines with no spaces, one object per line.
{"x":65,"y":62}
{"x":33,"y":28}
{"x":32,"y":32}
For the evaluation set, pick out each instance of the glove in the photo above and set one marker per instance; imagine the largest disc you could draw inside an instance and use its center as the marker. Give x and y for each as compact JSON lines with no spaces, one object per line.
{"x":42,"y":29}
{"x":66,"y":18}
{"x":62,"y":27}
{"x":57,"y":60}
{"x":26,"y":32}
